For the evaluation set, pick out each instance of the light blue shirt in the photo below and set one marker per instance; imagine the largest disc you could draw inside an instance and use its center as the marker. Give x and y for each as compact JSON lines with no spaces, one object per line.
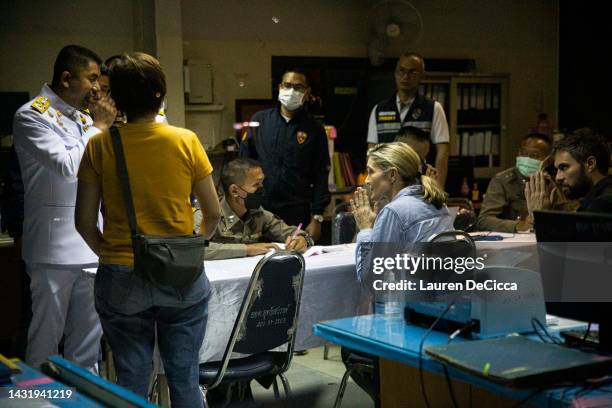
{"x":407,"y":218}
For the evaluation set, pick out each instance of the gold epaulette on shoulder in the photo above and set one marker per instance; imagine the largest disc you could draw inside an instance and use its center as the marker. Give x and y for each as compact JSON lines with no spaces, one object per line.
{"x":41,"y":104}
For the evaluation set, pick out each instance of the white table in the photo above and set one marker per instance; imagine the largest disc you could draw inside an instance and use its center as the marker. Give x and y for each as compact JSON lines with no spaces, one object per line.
{"x":331,"y":291}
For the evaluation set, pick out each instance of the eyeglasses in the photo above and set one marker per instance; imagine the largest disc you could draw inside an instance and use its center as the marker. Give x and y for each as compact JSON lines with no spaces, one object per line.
{"x":407,"y":72}
{"x":297,"y":87}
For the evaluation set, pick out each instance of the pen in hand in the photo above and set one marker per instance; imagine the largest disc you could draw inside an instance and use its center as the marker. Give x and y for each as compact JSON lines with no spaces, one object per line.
{"x":295,"y":233}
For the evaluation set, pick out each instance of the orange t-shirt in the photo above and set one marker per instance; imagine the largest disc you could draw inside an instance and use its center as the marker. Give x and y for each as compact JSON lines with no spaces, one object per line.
{"x":163,"y":163}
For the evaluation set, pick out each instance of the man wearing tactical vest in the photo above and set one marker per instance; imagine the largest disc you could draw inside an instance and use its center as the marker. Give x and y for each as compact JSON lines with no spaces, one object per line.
{"x":409,"y":108}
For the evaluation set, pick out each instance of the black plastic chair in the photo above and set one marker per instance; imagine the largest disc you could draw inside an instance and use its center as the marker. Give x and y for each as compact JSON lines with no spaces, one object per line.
{"x":267,"y":319}
{"x":344,"y":229}
{"x":363,"y":369}
{"x":463,"y":241}
{"x":344,"y":226}
{"x":466,"y":215}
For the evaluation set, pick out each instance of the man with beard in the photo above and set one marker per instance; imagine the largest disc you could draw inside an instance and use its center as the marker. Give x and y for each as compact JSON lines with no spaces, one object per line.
{"x":50,"y":134}
{"x":582,"y":160}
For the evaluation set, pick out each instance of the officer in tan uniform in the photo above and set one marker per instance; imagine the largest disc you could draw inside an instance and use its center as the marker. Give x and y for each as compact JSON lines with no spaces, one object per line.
{"x":504,"y":208}
{"x":246,"y":229}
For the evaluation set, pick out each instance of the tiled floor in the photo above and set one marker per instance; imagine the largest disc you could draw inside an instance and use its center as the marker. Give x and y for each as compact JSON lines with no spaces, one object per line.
{"x":311,"y":371}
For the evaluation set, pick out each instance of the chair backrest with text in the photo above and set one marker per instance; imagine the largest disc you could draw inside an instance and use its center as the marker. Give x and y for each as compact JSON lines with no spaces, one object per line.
{"x":268,"y":316}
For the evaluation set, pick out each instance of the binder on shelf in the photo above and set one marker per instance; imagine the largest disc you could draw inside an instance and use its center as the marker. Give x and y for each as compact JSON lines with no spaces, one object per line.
{"x":473,"y":97}
{"x":456,"y":145}
{"x":459,"y":97}
{"x":465,"y":143}
{"x":480,"y":97}
{"x":338,"y":179}
{"x":466,"y":97}
{"x":479,"y":144}
{"x":347,"y":169}
{"x":472,"y":145}
{"x":487,"y":141}
{"x":351,"y":173}
{"x":443,"y":94}
{"x":489,"y":97}
{"x":495,"y":144}
{"x":495,"y":98}
{"x":331,"y":133}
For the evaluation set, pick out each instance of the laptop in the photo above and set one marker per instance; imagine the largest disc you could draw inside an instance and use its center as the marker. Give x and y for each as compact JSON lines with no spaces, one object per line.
{"x":520,"y":362}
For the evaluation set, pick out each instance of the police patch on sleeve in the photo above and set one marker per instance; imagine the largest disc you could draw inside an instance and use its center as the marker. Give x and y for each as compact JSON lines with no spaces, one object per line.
{"x":41,"y":104}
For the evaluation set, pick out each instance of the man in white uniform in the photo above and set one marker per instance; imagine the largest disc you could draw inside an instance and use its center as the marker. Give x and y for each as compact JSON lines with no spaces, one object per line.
{"x":408,"y":108}
{"x":50,"y":135}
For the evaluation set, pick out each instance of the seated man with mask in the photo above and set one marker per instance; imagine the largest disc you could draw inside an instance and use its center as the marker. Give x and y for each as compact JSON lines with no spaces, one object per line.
{"x":504,"y":208}
{"x":246,"y":229}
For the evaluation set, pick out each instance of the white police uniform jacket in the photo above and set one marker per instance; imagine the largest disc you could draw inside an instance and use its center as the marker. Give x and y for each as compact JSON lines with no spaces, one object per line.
{"x":50,"y":138}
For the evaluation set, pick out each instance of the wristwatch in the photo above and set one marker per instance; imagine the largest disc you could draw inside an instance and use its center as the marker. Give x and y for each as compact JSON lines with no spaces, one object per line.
{"x":318,"y":218}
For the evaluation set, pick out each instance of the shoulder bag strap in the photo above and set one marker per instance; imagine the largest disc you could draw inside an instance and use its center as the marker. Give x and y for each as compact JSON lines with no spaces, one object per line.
{"x":124,"y":178}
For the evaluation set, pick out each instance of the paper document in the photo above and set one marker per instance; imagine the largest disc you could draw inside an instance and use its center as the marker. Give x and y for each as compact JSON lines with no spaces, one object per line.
{"x":320,"y":249}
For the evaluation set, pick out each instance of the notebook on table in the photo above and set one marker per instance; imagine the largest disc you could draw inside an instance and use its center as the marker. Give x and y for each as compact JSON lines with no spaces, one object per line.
{"x":519,"y":362}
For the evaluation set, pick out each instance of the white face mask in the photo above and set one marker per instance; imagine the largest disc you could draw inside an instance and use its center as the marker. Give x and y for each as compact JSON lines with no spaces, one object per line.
{"x":290,"y":98}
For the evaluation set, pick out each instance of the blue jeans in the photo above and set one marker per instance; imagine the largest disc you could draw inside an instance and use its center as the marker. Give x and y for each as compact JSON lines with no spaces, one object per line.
{"x":131,"y":333}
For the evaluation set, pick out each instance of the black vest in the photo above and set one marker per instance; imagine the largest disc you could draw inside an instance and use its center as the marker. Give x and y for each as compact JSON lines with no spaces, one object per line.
{"x":420,"y":115}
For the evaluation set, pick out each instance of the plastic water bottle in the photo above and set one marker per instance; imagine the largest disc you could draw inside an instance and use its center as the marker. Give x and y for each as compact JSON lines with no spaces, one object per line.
{"x":393,"y":307}
{"x":388,"y":302}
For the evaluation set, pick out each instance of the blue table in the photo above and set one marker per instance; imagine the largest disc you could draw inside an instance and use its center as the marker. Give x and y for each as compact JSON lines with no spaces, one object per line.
{"x":397,"y":345}
{"x":31,"y":379}
{"x":31,"y":383}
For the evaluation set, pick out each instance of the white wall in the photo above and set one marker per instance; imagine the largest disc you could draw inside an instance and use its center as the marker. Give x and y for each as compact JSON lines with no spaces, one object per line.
{"x":169,"y":38}
{"x":239,"y":36}
{"x":33,"y":32}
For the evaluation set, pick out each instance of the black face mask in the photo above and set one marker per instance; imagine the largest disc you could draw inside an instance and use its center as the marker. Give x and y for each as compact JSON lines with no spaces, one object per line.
{"x":253,"y":200}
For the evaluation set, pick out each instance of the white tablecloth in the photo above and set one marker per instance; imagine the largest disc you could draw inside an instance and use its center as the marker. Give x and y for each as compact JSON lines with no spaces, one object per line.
{"x":331,"y":291}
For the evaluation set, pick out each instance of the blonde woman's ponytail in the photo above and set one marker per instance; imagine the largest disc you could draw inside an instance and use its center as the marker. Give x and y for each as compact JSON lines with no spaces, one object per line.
{"x":432,"y":192}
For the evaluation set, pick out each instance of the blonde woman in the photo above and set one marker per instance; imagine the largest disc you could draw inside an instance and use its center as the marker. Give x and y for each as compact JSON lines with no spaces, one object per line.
{"x":415,"y":204}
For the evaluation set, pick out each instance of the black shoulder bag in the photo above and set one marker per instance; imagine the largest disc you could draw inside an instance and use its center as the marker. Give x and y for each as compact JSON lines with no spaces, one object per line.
{"x":164,"y":260}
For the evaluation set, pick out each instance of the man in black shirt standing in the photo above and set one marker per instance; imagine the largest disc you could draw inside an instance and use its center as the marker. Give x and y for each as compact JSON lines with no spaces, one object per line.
{"x":292,"y":148}
{"x":582,"y":160}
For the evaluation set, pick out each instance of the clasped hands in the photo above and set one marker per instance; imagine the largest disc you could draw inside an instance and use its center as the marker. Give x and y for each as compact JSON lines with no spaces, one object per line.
{"x":540,"y":191}
{"x":362,"y":210}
